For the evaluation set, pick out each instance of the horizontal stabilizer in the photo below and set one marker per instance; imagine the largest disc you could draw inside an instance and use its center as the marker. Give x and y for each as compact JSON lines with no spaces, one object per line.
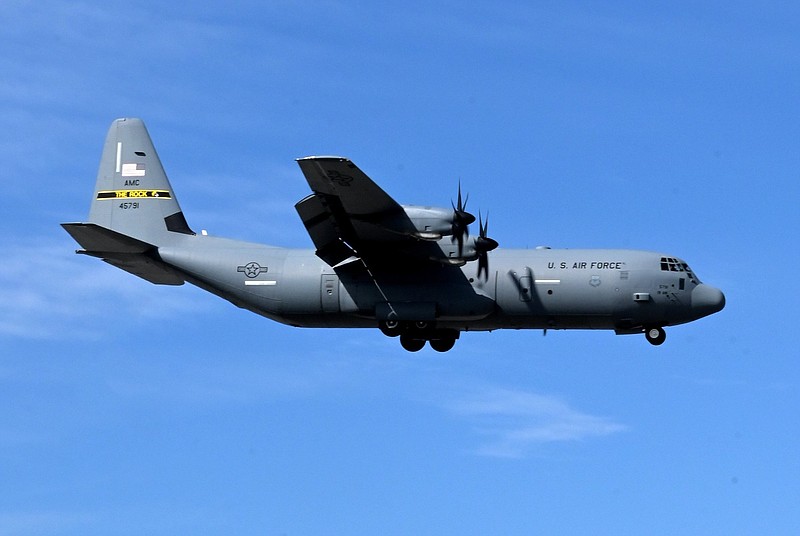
{"x":129,"y":254}
{"x":96,"y":239}
{"x":147,"y":268}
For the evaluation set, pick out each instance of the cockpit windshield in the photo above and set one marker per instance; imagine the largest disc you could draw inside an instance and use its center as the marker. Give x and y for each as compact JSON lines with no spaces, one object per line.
{"x":671,"y":264}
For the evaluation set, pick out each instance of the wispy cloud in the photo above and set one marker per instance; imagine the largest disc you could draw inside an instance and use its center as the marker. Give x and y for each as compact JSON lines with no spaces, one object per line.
{"x":515,"y":421}
{"x":253,"y":211}
{"x":46,"y":291}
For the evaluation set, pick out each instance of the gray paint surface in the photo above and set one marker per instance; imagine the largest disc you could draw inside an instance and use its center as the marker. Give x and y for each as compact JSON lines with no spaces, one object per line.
{"x":378,"y":263}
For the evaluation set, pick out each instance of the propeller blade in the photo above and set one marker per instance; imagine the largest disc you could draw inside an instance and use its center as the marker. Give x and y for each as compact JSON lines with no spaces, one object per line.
{"x":483,"y":242}
{"x":459,"y":228}
{"x":483,"y":245}
{"x":483,"y":265}
{"x":460,"y":238}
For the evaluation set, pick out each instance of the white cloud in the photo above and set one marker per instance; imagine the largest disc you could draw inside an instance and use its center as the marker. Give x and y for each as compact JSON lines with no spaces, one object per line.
{"x":46,"y":291}
{"x":259,"y":207}
{"x":515,"y":421}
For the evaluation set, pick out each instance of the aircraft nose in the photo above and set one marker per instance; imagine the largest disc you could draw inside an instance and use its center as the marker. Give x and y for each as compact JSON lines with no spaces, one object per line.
{"x":707,"y":300}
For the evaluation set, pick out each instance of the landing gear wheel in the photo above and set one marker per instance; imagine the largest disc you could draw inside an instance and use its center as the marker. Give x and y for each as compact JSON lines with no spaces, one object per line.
{"x":410,"y":343}
{"x":444,"y":344}
{"x":655,"y":336}
{"x":390,"y":328}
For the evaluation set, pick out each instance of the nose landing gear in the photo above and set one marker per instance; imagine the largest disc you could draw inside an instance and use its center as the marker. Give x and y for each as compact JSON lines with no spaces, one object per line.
{"x":655,"y":335}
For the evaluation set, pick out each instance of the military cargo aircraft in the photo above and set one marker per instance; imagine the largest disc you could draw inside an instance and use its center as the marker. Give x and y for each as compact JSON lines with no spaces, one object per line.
{"x":414,"y":272}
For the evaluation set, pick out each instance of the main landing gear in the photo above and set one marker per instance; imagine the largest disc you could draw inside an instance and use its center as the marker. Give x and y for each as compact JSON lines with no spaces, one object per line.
{"x":414,"y":335}
{"x":655,"y":335}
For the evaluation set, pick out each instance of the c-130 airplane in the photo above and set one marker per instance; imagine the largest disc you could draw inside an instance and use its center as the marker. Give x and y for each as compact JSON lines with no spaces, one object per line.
{"x":414,"y":272}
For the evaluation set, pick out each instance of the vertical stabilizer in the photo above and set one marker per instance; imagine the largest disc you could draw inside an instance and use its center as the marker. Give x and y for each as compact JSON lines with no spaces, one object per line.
{"x":132,"y":195}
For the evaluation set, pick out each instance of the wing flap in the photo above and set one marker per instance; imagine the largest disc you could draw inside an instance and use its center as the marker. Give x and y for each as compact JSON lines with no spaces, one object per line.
{"x":323,"y":230}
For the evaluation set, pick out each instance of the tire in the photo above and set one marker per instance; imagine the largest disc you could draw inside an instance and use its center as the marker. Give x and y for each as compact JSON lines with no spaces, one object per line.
{"x":655,"y":335}
{"x":443,"y":345}
{"x":411,"y":344}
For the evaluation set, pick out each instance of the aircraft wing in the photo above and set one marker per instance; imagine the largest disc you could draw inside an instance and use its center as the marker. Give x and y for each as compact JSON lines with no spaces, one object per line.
{"x":339,"y":177}
{"x":348,"y":215}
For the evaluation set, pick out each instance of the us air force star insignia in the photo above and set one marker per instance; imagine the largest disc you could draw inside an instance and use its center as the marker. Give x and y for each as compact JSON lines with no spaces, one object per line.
{"x":338,"y":178}
{"x":252,"y":269}
{"x":595,"y":281}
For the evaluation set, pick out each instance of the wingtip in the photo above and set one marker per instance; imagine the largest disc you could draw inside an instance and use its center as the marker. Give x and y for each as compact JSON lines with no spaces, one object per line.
{"x":323,"y":157}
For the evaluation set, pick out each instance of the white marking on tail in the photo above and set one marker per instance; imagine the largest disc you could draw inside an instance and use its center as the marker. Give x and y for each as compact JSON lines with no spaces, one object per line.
{"x":119,"y":155}
{"x":133,"y":170}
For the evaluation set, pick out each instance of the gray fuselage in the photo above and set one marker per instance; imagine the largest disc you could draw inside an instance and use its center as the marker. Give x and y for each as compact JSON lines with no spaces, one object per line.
{"x":623,"y":290}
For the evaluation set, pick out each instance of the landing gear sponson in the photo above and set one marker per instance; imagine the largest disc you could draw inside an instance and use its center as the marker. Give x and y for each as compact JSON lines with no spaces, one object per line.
{"x":414,"y":335}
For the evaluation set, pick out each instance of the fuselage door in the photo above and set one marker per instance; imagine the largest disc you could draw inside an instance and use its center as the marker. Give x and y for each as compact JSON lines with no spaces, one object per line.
{"x":525,"y":288}
{"x":330,"y":293}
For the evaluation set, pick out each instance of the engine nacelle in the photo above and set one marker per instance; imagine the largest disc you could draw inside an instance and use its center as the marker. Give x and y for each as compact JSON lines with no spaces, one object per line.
{"x":431,"y":223}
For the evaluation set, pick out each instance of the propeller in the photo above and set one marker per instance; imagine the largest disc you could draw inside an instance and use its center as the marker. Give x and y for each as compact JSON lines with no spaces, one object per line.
{"x":461,"y":220}
{"x":483,"y":245}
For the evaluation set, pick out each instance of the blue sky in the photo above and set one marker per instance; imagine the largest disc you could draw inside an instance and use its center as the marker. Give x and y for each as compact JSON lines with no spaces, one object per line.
{"x":130,"y":408}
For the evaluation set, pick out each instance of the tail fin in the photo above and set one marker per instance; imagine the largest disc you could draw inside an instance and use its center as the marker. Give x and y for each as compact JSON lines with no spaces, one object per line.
{"x":132,"y":195}
{"x":134,"y":209}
